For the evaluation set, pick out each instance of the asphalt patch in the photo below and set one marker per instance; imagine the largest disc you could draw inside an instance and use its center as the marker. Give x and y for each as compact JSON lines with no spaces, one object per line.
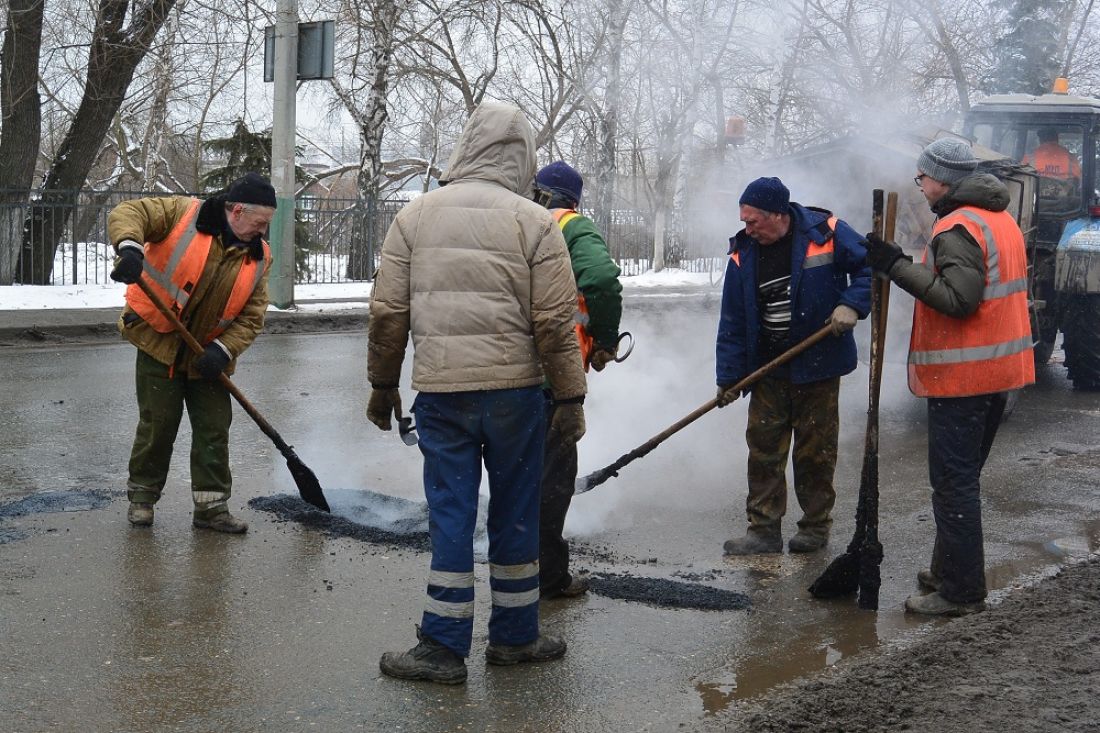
{"x":668,"y":593}
{"x":401,"y":533}
{"x":49,"y":502}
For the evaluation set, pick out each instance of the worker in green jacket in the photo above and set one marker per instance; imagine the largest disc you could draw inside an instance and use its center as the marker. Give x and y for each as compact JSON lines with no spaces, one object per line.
{"x":600,"y":306}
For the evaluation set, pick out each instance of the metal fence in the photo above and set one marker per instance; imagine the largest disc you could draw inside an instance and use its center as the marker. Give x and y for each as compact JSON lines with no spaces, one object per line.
{"x":61,"y":238}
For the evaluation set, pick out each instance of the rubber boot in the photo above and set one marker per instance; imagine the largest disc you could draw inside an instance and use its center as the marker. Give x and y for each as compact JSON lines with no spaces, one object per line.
{"x":927,"y":580}
{"x":140,"y":514}
{"x":757,"y":541}
{"x":808,"y":540}
{"x":428,"y":660}
{"x":221,"y":522}
{"x":542,"y":649}
{"x":934,"y":604}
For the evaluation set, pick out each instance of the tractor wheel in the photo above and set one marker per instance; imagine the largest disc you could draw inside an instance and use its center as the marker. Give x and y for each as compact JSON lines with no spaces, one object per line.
{"x":1081,"y":328}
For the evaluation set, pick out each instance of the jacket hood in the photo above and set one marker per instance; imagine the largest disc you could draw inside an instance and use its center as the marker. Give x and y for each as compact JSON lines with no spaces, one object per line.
{"x":982,"y":190}
{"x":497,"y":145}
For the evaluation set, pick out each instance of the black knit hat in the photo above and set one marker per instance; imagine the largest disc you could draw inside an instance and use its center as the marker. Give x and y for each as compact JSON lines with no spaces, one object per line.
{"x":252,"y":188}
{"x":766,"y":194}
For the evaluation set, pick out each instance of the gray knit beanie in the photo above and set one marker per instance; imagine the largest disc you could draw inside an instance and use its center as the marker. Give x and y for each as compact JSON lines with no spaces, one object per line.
{"x":947,"y":160}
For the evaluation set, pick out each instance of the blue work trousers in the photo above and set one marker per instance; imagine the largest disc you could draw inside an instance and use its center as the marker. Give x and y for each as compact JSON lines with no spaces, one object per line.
{"x":960,"y":434}
{"x":505,"y":428}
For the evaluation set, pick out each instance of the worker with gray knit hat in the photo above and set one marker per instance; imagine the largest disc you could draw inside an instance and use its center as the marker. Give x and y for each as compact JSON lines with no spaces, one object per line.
{"x":971,"y":345}
{"x":791,"y":270}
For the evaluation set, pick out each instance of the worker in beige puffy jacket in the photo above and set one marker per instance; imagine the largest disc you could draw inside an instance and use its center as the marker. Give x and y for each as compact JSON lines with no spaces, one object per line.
{"x":480,"y":275}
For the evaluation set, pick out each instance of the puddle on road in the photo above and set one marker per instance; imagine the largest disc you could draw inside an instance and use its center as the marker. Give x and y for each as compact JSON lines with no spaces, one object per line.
{"x":49,"y":502}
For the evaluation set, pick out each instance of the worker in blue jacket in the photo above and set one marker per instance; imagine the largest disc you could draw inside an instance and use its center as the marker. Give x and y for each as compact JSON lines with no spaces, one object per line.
{"x":792,"y":270}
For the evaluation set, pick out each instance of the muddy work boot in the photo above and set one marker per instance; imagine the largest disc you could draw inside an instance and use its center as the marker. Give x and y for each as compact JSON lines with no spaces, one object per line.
{"x":928,"y":580}
{"x":428,"y":660}
{"x":807,"y":541}
{"x":577,"y":586}
{"x":542,"y":649}
{"x":934,"y":604}
{"x":757,"y":541}
{"x":222,"y":522}
{"x":140,"y":514}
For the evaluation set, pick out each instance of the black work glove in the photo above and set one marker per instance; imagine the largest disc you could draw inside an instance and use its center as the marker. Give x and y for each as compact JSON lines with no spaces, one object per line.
{"x":601,"y":357}
{"x":568,"y":419}
{"x":881,"y":255}
{"x":384,"y":402}
{"x":213,"y":362}
{"x":727,"y":394}
{"x":128,"y":265}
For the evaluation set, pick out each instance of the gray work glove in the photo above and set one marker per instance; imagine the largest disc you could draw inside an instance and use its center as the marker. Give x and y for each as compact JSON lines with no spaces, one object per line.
{"x":727,"y":394}
{"x":843,"y":319}
{"x":568,"y":420}
{"x":601,"y":357}
{"x":383,"y":403}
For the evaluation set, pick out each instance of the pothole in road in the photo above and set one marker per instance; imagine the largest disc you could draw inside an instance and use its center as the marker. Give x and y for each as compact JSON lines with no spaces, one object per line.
{"x":371,"y":517}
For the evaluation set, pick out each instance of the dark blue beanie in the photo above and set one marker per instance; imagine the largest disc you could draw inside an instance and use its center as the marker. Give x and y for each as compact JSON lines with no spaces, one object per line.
{"x":561,"y":179}
{"x":767,"y":194}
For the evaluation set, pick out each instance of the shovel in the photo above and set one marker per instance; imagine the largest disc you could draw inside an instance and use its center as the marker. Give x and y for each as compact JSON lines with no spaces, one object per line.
{"x":594,"y":479}
{"x":308,"y":486}
{"x":858,"y":568}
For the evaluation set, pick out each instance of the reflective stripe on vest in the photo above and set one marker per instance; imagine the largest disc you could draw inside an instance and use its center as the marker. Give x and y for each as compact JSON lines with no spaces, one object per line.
{"x":817,"y":255}
{"x":990,"y":350}
{"x":580,"y":318}
{"x":173,"y":267}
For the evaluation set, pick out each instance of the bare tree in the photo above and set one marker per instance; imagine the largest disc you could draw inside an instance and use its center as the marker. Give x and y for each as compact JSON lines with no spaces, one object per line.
{"x":21,"y":119}
{"x":116,"y":49}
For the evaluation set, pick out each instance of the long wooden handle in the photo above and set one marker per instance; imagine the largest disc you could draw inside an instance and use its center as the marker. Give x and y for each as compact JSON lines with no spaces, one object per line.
{"x":196,"y":347}
{"x":594,"y":479}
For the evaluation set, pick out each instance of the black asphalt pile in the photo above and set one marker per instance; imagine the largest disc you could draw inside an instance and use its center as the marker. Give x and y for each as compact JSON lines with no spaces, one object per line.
{"x":366,"y":525}
{"x":668,"y":593}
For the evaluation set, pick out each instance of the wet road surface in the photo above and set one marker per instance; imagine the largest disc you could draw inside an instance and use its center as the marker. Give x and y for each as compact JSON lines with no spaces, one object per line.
{"x":109,"y":628}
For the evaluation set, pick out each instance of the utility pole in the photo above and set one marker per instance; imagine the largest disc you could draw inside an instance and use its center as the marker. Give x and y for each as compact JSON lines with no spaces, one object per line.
{"x":281,"y":279}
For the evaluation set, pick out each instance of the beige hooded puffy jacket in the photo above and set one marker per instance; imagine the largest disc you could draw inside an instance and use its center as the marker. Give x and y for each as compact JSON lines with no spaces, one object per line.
{"x":479,"y":274}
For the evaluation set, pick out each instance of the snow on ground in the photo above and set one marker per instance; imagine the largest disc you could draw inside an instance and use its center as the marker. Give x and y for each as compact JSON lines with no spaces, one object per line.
{"x":335,"y":295}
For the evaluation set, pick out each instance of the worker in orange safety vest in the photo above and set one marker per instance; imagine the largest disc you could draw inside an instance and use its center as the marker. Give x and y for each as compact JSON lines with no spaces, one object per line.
{"x":207,"y":261}
{"x":970,"y":346}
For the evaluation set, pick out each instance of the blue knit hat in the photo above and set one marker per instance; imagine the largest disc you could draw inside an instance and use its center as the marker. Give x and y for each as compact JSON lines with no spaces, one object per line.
{"x":767,"y":194}
{"x":560,"y":178}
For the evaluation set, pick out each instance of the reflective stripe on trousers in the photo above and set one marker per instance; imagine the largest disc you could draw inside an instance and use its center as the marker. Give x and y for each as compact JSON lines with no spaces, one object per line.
{"x":457,"y":430}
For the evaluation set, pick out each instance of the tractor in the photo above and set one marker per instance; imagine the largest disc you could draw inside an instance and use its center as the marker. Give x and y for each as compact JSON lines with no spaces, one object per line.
{"x":1052,"y":166}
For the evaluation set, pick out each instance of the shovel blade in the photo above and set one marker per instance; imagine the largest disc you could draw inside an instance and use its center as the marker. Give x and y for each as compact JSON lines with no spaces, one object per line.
{"x":309,"y":488}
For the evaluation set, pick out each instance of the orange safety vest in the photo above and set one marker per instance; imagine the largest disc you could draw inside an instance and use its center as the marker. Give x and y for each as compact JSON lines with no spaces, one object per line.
{"x":173,"y":267}
{"x":990,"y":350}
{"x":817,"y":255}
{"x":580,"y":318}
{"x":1051,"y":160}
